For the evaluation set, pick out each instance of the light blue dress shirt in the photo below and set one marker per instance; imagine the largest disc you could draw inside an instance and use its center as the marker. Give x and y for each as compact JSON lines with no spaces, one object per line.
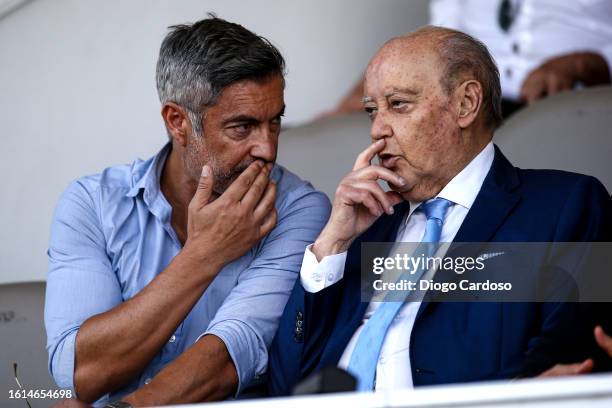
{"x":111,"y":235}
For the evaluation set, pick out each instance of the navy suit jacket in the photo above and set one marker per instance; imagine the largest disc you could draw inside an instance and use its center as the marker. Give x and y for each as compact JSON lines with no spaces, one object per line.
{"x":462,"y":342}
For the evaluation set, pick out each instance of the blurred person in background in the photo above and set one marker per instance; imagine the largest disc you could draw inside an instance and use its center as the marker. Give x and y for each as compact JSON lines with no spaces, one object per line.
{"x":541,"y":47}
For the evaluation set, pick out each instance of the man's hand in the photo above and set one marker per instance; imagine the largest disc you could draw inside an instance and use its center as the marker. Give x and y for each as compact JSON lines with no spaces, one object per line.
{"x":604,"y":341}
{"x":227,"y":227}
{"x":358,"y":202}
{"x":563,"y":73}
{"x":561,"y":370}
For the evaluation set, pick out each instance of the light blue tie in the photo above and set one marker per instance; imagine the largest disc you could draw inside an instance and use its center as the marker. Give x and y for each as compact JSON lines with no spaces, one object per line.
{"x":367,"y":349}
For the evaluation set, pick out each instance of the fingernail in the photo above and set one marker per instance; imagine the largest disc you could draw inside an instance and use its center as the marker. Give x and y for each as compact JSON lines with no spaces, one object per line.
{"x":205,"y":171}
{"x":401,"y":181}
{"x":391,"y":210}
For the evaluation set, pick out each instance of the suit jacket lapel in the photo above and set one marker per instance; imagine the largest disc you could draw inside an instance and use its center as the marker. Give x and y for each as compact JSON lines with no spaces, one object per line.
{"x":493,"y":204}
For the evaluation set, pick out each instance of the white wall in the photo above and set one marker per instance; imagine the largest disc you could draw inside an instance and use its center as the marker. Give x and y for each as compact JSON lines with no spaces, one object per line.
{"x":77,"y":88}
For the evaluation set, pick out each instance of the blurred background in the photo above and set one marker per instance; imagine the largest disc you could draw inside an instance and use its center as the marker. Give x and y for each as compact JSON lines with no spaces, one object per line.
{"x":78,"y":93}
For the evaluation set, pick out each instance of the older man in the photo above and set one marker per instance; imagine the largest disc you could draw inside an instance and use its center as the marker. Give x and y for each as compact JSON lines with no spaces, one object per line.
{"x":433,"y":97}
{"x":167,"y":277}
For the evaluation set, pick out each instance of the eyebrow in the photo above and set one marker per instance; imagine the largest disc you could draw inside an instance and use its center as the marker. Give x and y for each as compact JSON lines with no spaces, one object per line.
{"x":410,"y":91}
{"x":394,"y":91}
{"x":250,"y":119}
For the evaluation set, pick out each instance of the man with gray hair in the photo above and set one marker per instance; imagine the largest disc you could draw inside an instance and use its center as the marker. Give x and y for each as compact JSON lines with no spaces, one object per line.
{"x":433,"y":97}
{"x":167,"y":277}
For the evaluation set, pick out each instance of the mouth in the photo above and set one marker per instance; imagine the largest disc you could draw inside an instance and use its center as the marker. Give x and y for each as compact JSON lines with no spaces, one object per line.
{"x":388,"y":160}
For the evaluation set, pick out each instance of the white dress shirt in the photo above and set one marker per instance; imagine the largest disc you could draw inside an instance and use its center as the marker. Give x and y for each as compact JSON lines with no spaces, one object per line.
{"x":542,"y":29}
{"x":393,"y":370}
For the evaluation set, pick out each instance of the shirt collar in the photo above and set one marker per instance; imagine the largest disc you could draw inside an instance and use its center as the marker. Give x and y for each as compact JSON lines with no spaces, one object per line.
{"x":464,"y":187}
{"x":147,"y":175}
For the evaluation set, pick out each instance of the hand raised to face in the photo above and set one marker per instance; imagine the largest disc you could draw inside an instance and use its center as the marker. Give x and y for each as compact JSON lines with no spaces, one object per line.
{"x":358,"y":202}
{"x":224,"y":229}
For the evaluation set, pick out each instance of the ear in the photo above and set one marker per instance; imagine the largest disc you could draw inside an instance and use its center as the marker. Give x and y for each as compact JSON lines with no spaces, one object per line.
{"x":177,"y":122}
{"x":469,"y":95}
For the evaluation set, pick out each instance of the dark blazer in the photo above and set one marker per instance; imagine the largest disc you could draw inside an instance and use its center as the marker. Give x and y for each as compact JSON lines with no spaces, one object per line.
{"x":470,"y":341}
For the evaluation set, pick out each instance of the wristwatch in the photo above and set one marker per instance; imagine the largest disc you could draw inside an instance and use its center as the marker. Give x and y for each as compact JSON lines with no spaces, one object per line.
{"x":118,"y":404}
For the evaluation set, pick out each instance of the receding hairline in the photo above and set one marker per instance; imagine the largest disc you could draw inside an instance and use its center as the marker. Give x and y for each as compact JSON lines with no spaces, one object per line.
{"x":423,"y":38}
{"x":474,"y":61}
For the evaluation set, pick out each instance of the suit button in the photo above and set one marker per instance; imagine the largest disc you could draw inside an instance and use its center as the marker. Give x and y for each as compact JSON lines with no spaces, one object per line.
{"x":298,"y":333}
{"x":418,"y":370}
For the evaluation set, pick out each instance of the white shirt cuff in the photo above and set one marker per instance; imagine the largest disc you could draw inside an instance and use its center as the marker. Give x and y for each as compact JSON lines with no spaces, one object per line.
{"x":316,"y":276}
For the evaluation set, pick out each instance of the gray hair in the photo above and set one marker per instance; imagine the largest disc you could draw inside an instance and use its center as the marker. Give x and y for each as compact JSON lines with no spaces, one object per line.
{"x":197,"y":61}
{"x":464,"y":55}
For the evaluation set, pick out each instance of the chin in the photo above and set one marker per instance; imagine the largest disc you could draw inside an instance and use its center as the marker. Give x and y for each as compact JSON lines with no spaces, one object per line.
{"x":415,"y":195}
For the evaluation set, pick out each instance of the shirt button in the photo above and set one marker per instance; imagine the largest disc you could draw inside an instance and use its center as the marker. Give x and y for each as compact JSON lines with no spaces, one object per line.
{"x":147,"y":381}
{"x":172,"y":339}
{"x":316,"y":277}
{"x":509,"y":72}
{"x":515,"y":48}
{"x":330,"y":276}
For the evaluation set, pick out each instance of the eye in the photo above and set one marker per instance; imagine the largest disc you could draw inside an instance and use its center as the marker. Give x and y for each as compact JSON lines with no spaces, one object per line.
{"x":242,"y":130}
{"x":399,"y":104}
{"x":371,"y":111}
{"x":277,"y":120}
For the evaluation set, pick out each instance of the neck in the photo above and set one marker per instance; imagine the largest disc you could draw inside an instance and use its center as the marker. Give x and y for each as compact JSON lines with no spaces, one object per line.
{"x":479,"y":138}
{"x":175,"y":184}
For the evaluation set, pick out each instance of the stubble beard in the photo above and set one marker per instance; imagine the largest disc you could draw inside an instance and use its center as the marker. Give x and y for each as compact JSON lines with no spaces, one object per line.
{"x":199,"y":155}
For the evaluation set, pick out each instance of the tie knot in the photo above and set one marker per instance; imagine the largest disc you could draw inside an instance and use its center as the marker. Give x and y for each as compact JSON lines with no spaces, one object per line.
{"x":435,"y":208}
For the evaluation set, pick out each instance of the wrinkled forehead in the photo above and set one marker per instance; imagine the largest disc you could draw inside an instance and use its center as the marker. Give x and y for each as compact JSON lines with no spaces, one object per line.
{"x":403,"y":63}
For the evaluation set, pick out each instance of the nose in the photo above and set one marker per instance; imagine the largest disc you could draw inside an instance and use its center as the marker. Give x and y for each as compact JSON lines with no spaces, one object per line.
{"x":380,"y":126}
{"x":265,"y":145}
